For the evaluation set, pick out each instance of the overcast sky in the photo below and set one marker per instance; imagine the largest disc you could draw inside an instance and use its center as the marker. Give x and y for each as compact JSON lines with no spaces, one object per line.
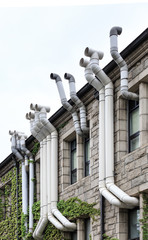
{"x":40,"y":37}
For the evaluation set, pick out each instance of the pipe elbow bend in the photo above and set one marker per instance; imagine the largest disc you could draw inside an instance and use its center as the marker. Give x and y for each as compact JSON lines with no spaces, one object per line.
{"x":114,"y":53}
{"x":70,"y":225}
{"x":95,"y":68}
{"x":115,"y":31}
{"x":129,"y":95}
{"x":130,"y":200}
{"x":55,"y":76}
{"x":69,"y":77}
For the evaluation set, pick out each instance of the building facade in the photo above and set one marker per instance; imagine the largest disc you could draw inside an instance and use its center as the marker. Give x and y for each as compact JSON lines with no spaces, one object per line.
{"x":78,"y":155}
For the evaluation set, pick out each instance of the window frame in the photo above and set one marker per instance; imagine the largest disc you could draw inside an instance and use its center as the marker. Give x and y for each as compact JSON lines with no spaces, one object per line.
{"x":136,"y":134}
{"x":72,"y":150}
{"x":86,"y":222}
{"x":86,"y":163}
{"x":129,"y":233}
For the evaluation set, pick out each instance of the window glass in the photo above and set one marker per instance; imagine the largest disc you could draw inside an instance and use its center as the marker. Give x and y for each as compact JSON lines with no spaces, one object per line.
{"x":73,"y":162}
{"x":133,"y":125}
{"x":134,"y":226}
{"x":87,"y":157}
{"x":134,"y":143}
{"x":134,"y":121}
{"x":87,"y":229}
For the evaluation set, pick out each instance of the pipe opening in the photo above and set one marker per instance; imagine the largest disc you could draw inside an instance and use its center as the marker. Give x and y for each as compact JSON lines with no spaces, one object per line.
{"x":83,"y":62}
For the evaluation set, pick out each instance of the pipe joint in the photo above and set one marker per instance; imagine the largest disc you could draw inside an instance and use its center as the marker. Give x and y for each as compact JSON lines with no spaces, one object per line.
{"x":89,"y":52}
{"x":115,"y":31}
{"x":55,"y":76}
{"x":40,"y":107}
{"x":69,"y":77}
{"x":83,"y":62}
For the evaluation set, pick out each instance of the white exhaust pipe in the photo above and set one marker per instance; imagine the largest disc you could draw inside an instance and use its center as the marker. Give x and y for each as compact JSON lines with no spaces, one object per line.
{"x":114,"y":32}
{"x":78,"y":102}
{"x":48,"y":162}
{"x":53,"y":178}
{"x":102,"y":188}
{"x":89,"y":75}
{"x":109,"y":140}
{"x":18,"y":144}
{"x":109,"y":152}
{"x":65,"y":103}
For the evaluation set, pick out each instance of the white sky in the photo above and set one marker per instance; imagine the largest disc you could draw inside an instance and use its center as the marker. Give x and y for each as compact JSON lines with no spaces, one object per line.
{"x":40,"y":37}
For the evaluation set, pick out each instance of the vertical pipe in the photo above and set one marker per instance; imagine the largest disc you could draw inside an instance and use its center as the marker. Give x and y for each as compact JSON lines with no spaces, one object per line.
{"x":31,"y":194}
{"x":24,"y":192}
{"x":17,"y":209}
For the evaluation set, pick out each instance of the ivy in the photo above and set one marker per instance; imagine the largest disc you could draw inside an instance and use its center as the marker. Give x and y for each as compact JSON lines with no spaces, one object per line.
{"x":10,"y":218}
{"x":144,"y":221}
{"x":106,"y":237}
{"x":23,"y":227}
{"x":73,"y":209}
{"x":35,"y":149}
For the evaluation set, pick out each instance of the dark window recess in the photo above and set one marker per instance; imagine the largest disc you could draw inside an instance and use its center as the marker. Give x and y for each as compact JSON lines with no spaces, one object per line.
{"x":74,"y":236}
{"x":133,"y":125}
{"x":73,"y":162}
{"x":87,"y":156}
{"x":134,"y":226}
{"x":87,"y":229}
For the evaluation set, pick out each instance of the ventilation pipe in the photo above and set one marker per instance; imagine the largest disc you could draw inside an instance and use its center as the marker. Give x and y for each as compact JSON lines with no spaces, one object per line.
{"x":66,"y":104}
{"x":41,"y":137}
{"x":114,"y":32}
{"x":48,"y":162}
{"x":89,"y":75}
{"x":28,"y":155}
{"x":53,"y":176}
{"x":109,"y":140}
{"x":78,"y":102}
{"x":16,"y":147}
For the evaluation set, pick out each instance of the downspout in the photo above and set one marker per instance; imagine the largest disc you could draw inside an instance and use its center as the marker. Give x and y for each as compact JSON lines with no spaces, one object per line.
{"x":114,"y":32}
{"x":109,"y":133}
{"x":39,"y":135}
{"x":66,"y":104}
{"x":102,"y":175}
{"x":17,"y":190}
{"x":53,"y":178}
{"x":43,"y":192}
{"x":31,"y":177}
{"x":15,"y":147}
{"x":78,"y":102}
{"x":51,"y":218}
{"x":99,"y":87}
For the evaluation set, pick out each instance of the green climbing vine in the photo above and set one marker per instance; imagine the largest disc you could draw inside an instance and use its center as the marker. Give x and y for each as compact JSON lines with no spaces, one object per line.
{"x":144,"y":220}
{"x":73,"y":209}
{"x":106,"y":237}
{"x":35,"y":149}
{"x":10,"y":218}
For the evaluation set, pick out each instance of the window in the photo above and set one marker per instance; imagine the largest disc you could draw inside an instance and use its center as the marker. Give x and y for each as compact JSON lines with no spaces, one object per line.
{"x":73,"y":162}
{"x":87,"y":229}
{"x":134,"y":226}
{"x":133,"y":125}
{"x":74,"y":236}
{"x":87,"y":156}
